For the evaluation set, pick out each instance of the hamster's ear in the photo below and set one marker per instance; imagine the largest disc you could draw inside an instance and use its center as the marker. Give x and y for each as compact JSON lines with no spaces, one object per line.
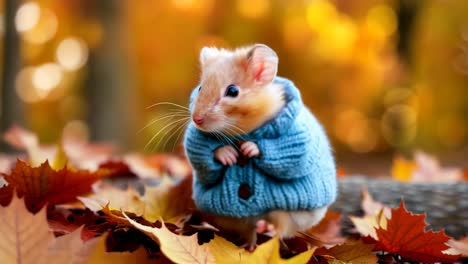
{"x":206,"y":53}
{"x":262,"y":64}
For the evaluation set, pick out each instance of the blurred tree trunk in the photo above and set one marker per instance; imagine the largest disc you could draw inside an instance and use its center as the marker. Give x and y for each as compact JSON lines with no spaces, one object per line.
{"x":10,"y":105}
{"x":109,"y":95}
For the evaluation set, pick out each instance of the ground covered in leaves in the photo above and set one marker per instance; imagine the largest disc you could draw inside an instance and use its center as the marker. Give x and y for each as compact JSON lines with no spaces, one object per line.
{"x":71,"y":203}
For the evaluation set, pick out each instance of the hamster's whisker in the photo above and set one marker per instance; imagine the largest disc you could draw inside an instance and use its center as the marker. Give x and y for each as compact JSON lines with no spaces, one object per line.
{"x":159,"y":132}
{"x":159,"y":118}
{"x":168,"y":103}
{"x":219,"y":137}
{"x":229,"y":140}
{"x":231,"y":124}
{"x":180,"y":134}
{"x":169,"y":129}
{"x":235,"y":131}
{"x":175,"y":130}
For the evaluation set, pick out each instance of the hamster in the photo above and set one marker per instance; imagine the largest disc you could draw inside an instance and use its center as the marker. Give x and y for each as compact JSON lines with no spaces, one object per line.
{"x":244,"y":118}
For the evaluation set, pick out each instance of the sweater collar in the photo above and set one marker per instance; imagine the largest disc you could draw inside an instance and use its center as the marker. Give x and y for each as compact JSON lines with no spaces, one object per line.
{"x":285,"y":118}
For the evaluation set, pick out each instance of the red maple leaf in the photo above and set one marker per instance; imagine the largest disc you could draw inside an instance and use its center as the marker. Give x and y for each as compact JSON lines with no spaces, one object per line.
{"x":41,"y":185}
{"x":405,"y":235}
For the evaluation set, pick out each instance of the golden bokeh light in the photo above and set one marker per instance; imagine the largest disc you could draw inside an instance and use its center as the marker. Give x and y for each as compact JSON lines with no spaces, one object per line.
{"x":25,"y":88}
{"x":44,"y":30}
{"x":253,"y":8}
{"x":47,"y":77}
{"x":72,"y":53}
{"x":27,"y":16}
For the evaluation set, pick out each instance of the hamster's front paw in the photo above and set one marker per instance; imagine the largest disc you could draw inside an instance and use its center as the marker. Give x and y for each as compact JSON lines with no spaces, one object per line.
{"x":227,"y":155}
{"x":250,"y":149}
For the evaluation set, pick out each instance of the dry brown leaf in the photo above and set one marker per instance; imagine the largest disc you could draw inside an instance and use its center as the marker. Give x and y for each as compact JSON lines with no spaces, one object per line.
{"x":352,"y":252}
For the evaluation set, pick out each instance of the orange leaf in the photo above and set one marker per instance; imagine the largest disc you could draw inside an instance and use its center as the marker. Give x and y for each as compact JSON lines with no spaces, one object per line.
{"x":41,"y":185}
{"x":405,"y":235}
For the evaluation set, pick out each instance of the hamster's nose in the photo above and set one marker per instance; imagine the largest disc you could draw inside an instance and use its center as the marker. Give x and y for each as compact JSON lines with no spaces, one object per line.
{"x":198,"y":120}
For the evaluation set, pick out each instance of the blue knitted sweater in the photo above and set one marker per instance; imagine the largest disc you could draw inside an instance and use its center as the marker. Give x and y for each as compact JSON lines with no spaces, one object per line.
{"x":296,"y":169}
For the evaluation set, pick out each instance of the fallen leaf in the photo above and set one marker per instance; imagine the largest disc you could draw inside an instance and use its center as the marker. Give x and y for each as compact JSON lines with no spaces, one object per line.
{"x":328,"y":231}
{"x":268,"y":252}
{"x":185,"y":249}
{"x":116,"y":199}
{"x":6,"y":163}
{"x":458,"y":247}
{"x":168,"y":200}
{"x":353,"y":252}
{"x":118,"y":168}
{"x":179,"y":249}
{"x":375,"y":216}
{"x":63,"y":221}
{"x":169,"y":164}
{"x":372,"y":207}
{"x":70,"y":249}
{"x":41,"y":185}
{"x":425,"y":168}
{"x":25,"y":236}
{"x":405,"y":235}
{"x":430,"y":170}
{"x":28,"y":141}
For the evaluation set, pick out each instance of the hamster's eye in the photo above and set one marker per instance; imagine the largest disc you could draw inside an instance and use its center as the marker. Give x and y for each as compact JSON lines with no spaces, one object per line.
{"x":232,"y":91}
{"x":199,"y":88}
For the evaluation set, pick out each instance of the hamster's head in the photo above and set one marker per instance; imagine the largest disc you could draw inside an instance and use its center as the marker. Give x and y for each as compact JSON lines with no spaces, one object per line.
{"x":236,"y":93}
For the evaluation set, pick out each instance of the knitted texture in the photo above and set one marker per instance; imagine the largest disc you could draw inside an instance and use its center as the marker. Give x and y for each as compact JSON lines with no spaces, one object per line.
{"x":296,"y":169}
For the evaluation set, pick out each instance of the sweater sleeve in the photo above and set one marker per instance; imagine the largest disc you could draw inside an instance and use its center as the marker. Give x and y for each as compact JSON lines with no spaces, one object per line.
{"x":285,"y":157}
{"x":199,"y":149}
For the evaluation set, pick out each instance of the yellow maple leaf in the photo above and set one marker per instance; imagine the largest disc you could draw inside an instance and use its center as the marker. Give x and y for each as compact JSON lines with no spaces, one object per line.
{"x":268,"y":252}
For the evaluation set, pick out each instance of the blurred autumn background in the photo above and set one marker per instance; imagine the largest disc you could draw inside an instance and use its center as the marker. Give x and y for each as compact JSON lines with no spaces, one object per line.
{"x":384,"y":77}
